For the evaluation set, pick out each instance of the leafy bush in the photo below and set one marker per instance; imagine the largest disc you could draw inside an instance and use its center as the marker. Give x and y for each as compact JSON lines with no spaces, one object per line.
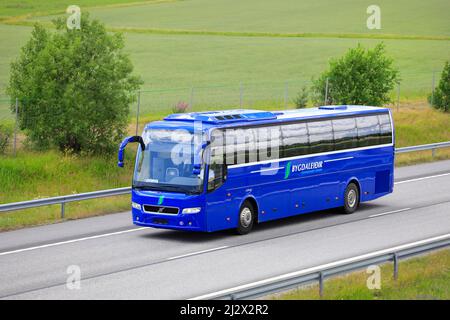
{"x":5,"y":136}
{"x":74,"y":87}
{"x":180,"y":107}
{"x":301,"y":101}
{"x":363,"y":77}
{"x":441,"y":98}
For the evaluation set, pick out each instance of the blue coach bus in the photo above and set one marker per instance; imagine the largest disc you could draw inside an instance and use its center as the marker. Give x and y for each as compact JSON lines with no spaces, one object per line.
{"x":209,"y":171}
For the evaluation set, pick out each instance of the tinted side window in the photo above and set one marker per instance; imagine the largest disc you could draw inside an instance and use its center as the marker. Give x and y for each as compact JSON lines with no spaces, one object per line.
{"x":217,"y":147}
{"x":385,"y":128}
{"x":320,"y":136}
{"x":345,"y":133}
{"x":245,"y":143}
{"x":294,"y":139}
{"x":368,"y":131}
{"x":269,"y":146}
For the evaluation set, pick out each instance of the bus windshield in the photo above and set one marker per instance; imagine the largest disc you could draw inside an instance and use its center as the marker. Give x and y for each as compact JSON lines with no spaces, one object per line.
{"x":167,"y":164}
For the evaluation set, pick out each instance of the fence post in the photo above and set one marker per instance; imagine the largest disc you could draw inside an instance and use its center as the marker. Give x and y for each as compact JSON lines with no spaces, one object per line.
{"x":241,"y":94}
{"x":191,"y":99}
{"x":15,"y":127}
{"x":286,"y":94}
{"x":432,"y":88}
{"x":137,"y":111}
{"x":398,"y":96}
{"x":326,"y":93}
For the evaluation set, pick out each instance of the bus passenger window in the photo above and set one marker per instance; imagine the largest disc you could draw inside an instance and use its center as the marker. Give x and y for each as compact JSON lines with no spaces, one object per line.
{"x":385,"y":129}
{"x":295,"y":139}
{"x":368,"y":131}
{"x":320,"y":136}
{"x":345,"y":133}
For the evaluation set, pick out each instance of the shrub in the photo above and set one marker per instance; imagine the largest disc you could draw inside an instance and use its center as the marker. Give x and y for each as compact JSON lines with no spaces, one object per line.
{"x":361,"y":76}
{"x":180,"y":107}
{"x":301,"y":101}
{"x":441,"y":97}
{"x":74,"y":87}
{"x":5,"y":136}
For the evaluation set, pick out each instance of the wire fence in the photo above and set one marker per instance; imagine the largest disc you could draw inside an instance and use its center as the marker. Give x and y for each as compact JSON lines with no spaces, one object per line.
{"x":158,"y":102}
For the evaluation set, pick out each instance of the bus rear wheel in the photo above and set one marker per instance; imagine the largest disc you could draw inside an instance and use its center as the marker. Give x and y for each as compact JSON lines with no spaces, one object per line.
{"x":351,"y":198}
{"x":246,"y":218}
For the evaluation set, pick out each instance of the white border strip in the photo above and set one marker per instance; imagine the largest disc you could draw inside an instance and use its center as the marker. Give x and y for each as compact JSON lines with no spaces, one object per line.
{"x":308,"y":156}
{"x":319,"y":268}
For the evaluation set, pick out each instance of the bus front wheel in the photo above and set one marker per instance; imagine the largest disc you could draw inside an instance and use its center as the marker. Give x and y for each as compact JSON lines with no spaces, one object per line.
{"x":246,"y":218}
{"x":351,"y":198}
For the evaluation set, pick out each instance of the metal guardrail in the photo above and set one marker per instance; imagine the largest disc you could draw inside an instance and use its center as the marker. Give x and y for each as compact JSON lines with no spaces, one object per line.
{"x":320,"y":273}
{"x":62,"y":200}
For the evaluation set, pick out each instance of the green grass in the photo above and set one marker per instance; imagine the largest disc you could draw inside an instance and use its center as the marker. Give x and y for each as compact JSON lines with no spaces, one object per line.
{"x":174,"y":61}
{"x":14,"y":8}
{"x":412,"y":17}
{"x":422,"y":278}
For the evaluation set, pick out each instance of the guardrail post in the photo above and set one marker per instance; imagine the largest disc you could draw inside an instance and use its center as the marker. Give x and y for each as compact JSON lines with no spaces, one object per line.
{"x":63,"y":209}
{"x":395,"y":259}
{"x":433,"y":153}
{"x":321,"y":284}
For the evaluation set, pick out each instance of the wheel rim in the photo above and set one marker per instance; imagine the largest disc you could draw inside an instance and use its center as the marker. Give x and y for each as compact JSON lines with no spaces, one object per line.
{"x":351,"y":198}
{"x":246,"y":217}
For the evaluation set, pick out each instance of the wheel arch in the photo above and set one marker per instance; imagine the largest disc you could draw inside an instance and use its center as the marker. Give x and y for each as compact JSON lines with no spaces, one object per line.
{"x":254,"y":203}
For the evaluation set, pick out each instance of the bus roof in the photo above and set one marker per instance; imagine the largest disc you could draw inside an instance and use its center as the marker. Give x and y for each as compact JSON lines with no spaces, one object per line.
{"x":237,"y":117}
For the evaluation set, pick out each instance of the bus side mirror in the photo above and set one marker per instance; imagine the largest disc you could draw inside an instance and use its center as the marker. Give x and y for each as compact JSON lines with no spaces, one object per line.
{"x":197,"y":169}
{"x":124,"y":144}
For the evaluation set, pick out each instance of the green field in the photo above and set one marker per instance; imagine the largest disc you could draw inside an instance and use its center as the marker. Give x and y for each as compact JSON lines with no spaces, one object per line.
{"x":422,"y":278}
{"x":168,"y":59}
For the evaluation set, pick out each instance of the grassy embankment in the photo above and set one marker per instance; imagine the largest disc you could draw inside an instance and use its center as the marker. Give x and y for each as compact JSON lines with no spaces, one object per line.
{"x":422,"y":278}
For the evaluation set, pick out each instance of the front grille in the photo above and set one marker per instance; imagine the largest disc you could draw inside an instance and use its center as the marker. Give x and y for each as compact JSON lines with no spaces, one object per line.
{"x":160,"y":209}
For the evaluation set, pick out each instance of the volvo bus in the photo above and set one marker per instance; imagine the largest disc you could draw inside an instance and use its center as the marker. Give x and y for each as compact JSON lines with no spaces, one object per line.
{"x":232,"y":169}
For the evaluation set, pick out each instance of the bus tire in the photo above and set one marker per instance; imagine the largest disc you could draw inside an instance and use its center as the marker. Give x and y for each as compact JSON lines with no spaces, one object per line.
{"x":246,"y":218}
{"x":351,"y":198}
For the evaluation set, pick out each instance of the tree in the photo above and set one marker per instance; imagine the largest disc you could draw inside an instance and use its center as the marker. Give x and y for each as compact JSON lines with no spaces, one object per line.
{"x":74,"y":87}
{"x":363,"y":77}
{"x":441,"y":97}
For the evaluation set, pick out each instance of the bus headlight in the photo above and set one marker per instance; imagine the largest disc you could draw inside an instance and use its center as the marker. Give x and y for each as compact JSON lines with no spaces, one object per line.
{"x":136,"y":205}
{"x":191,"y":210}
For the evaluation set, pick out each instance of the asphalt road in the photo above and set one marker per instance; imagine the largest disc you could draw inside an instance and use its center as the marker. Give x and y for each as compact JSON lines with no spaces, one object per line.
{"x":120,"y":261}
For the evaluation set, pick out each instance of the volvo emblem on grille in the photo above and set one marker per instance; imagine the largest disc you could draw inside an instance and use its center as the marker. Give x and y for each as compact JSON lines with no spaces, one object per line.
{"x":161,"y":209}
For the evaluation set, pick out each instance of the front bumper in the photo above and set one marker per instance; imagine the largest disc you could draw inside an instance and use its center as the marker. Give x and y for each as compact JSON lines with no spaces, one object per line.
{"x":186,"y":222}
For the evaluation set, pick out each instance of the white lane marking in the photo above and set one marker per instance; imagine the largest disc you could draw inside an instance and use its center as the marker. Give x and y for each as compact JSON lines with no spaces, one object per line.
{"x":318,"y":268}
{"x":423,"y":178}
{"x":196,"y":253}
{"x":389,"y":212}
{"x":72,"y":241}
{"x":346,"y":158}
